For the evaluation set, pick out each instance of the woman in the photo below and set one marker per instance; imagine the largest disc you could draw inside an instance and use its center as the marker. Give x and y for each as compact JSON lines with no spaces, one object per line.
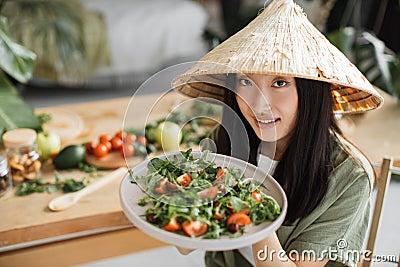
{"x":286,"y":101}
{"x":309,"y":154}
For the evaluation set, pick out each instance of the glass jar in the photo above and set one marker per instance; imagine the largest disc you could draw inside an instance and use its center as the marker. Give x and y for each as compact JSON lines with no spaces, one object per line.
{"x":5,"y":178}
{"x":22,"y":154}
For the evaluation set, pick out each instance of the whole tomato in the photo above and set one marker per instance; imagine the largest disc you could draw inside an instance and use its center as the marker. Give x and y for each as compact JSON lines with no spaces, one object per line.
{"x":129,"y":138}
{"x":127,"y":150}
{"x":89,"y":147}
{"x":108,"y":144}
{"x":104,"y":138}
{"x":100,"y":150}
{"x":116,"y":143}
{"x":120,"y":134}
{"x":142,"y":140}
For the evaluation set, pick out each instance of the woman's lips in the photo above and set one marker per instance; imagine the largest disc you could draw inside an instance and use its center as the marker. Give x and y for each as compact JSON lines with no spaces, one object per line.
{"x":266,"y":123}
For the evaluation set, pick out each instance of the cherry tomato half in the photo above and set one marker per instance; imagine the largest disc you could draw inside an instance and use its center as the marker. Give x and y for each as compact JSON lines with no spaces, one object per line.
{"x":194,"y":228}
{"x":221,"y":173}
{"x":238,"y":218}
{"x":184,"y":180}
{"x":218,"y":215}
{"x":257,"y":196}
{"x":173,"y":225}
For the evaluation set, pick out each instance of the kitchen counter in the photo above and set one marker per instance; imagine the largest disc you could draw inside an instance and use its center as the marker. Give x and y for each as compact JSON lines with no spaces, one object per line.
{"x":26,"y":222}
{"x":29,"y":230}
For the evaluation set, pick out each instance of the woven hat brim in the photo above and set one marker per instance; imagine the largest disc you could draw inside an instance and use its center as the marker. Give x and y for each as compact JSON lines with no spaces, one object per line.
{"x":281,"y":41}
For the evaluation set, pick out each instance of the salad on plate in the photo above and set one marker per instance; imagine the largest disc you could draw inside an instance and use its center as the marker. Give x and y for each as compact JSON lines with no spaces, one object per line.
{"x":194,"y":197}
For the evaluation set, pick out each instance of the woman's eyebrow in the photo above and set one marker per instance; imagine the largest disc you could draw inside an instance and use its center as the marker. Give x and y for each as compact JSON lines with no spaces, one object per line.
{"x":279,"y":77}
{"x":242,"y":76}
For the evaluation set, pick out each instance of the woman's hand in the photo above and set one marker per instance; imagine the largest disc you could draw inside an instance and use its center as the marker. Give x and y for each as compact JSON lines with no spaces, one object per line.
{"x":184,"y":251}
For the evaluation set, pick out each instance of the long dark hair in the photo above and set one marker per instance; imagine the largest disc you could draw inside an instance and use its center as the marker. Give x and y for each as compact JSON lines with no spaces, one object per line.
{"x":306,"y":164}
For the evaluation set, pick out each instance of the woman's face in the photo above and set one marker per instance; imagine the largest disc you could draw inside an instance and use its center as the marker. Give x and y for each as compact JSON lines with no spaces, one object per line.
{"x":269,"y":103}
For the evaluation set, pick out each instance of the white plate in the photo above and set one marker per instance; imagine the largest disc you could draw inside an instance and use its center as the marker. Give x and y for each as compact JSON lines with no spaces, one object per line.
{"x":131,"y":193}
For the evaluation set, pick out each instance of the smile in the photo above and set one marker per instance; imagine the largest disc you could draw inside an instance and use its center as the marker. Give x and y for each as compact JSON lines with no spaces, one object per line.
{"x":263,"y":124}
{"x":266,"y":121}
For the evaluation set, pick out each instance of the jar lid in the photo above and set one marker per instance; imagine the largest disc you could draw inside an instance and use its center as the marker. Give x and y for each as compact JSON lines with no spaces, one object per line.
{"x":3,"y":164}
{"x":18,"y":137}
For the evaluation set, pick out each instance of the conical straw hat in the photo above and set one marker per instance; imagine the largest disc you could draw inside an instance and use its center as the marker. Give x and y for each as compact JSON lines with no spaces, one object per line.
{"x":281,"y":41}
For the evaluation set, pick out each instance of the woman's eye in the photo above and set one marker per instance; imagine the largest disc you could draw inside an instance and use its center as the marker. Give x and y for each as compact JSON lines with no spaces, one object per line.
{"x":279,"y":83}
{"x":245,"y":82}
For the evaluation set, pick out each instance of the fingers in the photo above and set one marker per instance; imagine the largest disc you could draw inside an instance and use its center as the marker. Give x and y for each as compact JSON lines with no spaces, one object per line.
{"x":184,"y":251}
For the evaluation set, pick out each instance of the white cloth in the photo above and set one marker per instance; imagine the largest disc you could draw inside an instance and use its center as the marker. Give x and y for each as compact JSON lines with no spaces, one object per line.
{"x":268,"y":164}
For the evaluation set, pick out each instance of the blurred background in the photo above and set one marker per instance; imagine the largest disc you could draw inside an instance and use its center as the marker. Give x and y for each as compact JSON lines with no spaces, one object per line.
{"x":103,"y":49}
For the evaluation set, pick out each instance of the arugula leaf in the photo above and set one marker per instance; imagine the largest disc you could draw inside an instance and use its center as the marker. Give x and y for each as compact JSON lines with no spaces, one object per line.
{"x":86,"y":167}
{"x":37,"y":186}
{"x":188,"y":154}
{"x":237,"y":204}
{"x":143,"y":201}
{"x":71,"y":185}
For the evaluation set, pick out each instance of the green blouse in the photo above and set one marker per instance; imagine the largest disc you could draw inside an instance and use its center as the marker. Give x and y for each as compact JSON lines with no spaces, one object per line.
{"x":336,"y":229}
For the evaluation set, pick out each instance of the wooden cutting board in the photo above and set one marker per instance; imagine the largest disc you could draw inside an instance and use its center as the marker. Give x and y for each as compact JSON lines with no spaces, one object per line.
{"x":113,"y":160}
{"x":66,"y":123}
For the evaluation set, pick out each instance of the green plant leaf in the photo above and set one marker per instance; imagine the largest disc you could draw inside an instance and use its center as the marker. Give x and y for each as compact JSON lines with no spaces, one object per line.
{"x":344,"y":39}
{"x":16,"y":60}
{"x":378,"y":63}
{"x":69,"y":40}
{"x":395,"y":72}
{"x":14,"y":111}
{"x":373,"y":59}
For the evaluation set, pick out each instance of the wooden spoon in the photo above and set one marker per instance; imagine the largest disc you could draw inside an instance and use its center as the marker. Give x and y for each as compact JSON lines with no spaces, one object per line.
{"x":68,"y":200}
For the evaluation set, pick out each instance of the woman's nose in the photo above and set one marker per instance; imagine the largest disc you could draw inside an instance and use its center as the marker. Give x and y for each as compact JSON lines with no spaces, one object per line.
{"x":261,"y":104}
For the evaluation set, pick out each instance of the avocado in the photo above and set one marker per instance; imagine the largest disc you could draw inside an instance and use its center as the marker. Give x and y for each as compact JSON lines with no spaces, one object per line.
{"x":69,"y":157}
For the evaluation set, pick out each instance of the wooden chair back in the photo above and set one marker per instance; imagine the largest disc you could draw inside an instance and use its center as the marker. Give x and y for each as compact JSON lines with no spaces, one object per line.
{"x":381,"y":186}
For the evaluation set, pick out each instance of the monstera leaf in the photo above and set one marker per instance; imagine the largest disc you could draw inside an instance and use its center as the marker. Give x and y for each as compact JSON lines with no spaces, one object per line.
{"x":395,"y":70}
{"x":14,"y":111}
{"x":18,"y":63}
{"x":344,"y":40}
{"x":16,"y":60}
{"x":374,"y":59}
{"x":70,"y":40}
{"x":378,"y":63}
